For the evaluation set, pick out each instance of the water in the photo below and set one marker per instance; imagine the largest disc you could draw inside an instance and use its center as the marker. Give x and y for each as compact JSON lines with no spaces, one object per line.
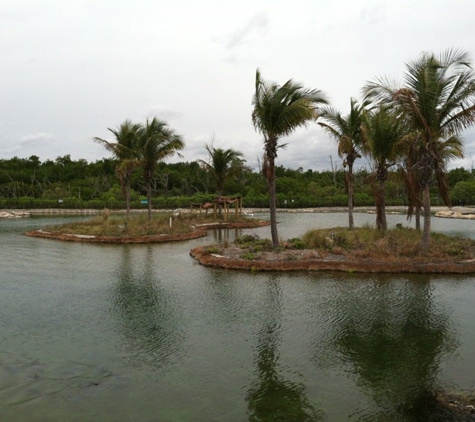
{"x":142,"y":332}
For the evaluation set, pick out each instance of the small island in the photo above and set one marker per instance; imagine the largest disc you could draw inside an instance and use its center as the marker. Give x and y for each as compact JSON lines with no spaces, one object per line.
{"x":173,"y":226}
{"x":337,"y":249}
{"x":341,"y":249}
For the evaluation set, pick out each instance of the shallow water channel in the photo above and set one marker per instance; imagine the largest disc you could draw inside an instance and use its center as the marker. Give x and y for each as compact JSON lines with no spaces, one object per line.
{"x":143,"y":333}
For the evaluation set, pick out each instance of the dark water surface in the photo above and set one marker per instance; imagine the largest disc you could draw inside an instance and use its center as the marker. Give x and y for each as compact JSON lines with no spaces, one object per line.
{"x":143,"y":333}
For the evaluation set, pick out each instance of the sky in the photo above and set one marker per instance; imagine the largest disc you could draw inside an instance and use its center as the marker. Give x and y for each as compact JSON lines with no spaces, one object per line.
{"x":70,"y":70}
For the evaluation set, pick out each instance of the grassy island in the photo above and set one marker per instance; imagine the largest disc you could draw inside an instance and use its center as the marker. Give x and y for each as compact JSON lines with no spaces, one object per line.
{"x":162,"y":227}
{"x":342,"y":249}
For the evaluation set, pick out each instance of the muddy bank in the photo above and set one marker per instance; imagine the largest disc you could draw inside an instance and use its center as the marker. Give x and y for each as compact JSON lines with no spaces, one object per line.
{"x":200,"y":231}
{"x":309,"y":260}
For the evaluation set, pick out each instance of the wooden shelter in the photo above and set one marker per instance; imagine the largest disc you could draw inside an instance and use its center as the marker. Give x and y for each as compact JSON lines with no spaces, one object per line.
{"x":221,"y":202}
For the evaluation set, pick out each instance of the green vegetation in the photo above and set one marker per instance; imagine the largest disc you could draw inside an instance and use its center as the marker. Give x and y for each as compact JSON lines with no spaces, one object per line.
{"x":358,"y":244}
{"x":369,"y":244}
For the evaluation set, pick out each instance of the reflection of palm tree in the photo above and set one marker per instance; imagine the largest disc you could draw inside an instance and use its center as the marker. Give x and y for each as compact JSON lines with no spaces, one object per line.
{"x":392,"y":337}
{"x":146,"y":312}
{"x":272,"y":398}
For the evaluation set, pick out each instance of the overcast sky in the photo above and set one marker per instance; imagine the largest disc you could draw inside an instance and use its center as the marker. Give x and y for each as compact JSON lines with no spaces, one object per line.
{"x":71,"y":69}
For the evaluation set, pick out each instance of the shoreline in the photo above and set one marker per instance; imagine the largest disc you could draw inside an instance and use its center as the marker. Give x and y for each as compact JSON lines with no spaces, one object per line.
{"x":307,"y":261}
{"x":200,"y":231}
{"x":437,"y":211}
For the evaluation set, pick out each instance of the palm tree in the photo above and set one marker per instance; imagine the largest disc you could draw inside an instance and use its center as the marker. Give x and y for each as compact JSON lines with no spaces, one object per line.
{"x":124,"y":150}
{"x":220,"y":164}
{"x":156,"y":142}
{"x":444,"y":150}
{"x":346,"y":130}
{"x":383,"y":133}
{"x":438,"y":102}
{"x":278,"y":111}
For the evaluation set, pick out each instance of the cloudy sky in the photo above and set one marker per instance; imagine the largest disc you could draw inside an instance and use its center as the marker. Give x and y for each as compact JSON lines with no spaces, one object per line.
{"x":71,"y":69}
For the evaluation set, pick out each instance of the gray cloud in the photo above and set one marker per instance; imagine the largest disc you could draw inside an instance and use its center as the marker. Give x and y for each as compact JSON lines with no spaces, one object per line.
{"x":256,"y":26}
{"x":96,"y":66}
{"x":163,"y":112}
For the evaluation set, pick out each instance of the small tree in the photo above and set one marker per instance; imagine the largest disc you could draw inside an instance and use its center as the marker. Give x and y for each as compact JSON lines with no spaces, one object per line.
{"x":125,"y":150}
{"x":346,"y":130}
{"x":156,"y":142}
{"x":221,"y":163}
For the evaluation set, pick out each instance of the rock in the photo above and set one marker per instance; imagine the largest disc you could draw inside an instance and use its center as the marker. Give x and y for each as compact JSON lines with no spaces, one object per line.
{"x":14,"y":214}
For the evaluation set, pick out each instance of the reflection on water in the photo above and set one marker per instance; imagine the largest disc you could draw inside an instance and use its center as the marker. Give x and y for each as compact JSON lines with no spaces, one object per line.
{"x":390,"y":336}
{"x":272,"y":396}
{"x":142,"y":332}
{"x":146,"y":311}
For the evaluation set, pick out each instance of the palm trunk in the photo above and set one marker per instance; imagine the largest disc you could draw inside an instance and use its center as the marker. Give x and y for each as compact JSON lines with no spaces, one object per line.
{"x":148,"y":188}
{"x":127,"y":202}
{"x":381,"y":221}
{"x":425,"y":240}
{"x":273,"y":201}
{"x":351,"y":188}
{"x":418,"y":217}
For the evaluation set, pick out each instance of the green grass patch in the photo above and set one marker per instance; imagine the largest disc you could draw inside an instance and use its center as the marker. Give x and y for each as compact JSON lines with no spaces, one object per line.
{"x":368,"y":243}
{"x":138,"y":225}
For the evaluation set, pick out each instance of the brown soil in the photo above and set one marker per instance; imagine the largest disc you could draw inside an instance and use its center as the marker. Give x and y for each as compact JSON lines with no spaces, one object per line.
{"x":311,"y":260}
{"x":199,"y":232}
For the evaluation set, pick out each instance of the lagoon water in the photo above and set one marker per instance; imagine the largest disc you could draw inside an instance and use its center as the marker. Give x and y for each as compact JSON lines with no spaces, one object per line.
{"x":143,"y":333}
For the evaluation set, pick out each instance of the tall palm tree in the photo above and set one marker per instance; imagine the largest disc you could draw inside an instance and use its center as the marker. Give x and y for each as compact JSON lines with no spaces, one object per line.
{"x":438,"y":102}
{"x":346,"y":130}
{"x":278,"y":111}
{"x":156,"y":142}
{"x":383,"y":133}
{"x":125,"y":151}
{"x":221,"y":163}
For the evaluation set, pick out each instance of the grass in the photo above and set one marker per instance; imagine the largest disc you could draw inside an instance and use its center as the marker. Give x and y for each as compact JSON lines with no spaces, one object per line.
{"x":361,"y":244}
{"x":138,"y":225}
{"x":400,"y":243}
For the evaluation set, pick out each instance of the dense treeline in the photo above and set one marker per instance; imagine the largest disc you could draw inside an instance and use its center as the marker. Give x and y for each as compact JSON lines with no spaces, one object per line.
{"x":29,"y":182}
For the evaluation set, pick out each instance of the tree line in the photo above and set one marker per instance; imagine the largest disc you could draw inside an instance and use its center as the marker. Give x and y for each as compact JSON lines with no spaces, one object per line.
{"x":30,"y":182}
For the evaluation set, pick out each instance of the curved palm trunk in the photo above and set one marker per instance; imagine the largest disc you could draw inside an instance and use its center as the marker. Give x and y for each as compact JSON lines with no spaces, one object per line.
{"x":273,"y":200}
{"x":425,"y":241}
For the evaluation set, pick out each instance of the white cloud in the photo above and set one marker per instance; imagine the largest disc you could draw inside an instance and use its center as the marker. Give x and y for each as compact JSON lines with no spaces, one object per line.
{"x":35,"y":138}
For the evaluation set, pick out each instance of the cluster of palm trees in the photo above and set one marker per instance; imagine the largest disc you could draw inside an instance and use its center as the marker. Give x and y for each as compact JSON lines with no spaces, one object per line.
{"x":415,"y":126}
{"x":141,"y":146}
